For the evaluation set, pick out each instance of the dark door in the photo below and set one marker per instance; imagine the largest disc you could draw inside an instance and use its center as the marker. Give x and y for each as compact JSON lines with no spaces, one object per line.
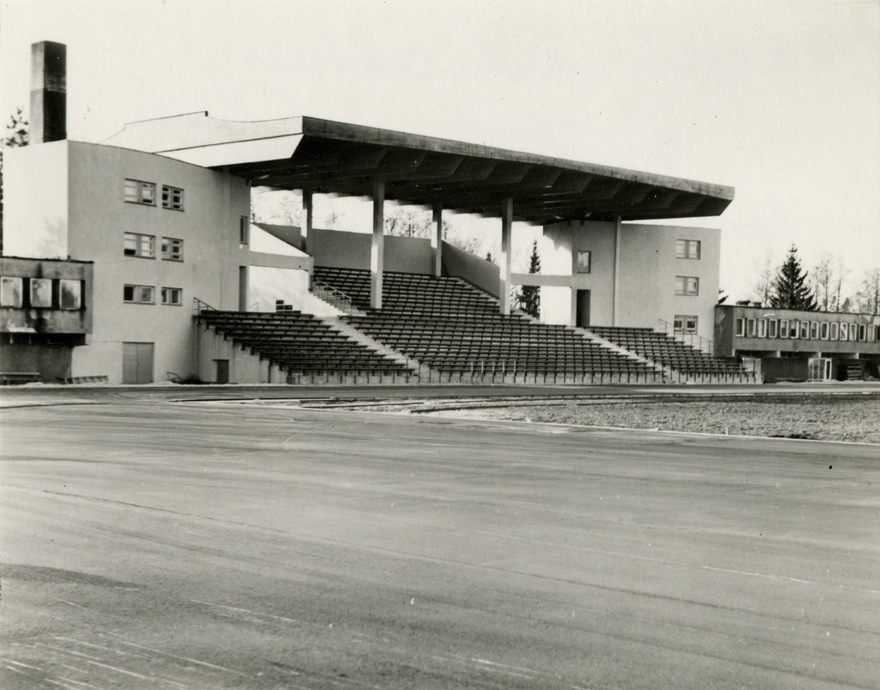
{"x":222,"y":370}
{"x":583,"y":309}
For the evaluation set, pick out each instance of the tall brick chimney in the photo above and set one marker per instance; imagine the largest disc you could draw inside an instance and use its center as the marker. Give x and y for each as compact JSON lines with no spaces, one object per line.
{"x":48,"y":116}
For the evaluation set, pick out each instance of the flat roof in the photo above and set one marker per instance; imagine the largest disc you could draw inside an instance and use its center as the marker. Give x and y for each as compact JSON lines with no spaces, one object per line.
{"x":339,"y":158}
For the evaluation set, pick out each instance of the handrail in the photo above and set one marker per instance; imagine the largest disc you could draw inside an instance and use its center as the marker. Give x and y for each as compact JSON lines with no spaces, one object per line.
{"x":336,"y":294}
{"x":703,"y":344}
{"x":199,"y":306}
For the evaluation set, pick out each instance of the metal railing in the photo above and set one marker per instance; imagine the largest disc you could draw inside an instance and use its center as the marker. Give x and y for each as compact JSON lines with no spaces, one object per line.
{"x":695,"y":341}
{"x":332,"y":295}
{"x":199,"y":306}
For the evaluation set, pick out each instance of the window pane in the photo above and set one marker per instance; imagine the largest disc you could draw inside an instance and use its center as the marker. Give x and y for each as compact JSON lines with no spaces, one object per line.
{"x":11,"y":291}
{"x":740,"y":327}
{"x":41,"y":292}
{"x":583,"y":262}
{"x":70,"y":294}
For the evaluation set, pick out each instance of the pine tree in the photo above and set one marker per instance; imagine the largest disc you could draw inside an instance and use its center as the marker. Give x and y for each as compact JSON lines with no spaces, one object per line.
{"x":529,"y":297}
{"x":791,"y":290}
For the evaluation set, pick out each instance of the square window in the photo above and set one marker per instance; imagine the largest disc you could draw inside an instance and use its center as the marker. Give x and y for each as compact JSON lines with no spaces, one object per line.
{"x":139,"y":192}
{"x":172,"y":198}
{"x":172,"y":249}
{"x":687,"y":249}
{"x":11,"y":292}
{"x":687,"y":286}
{"x":41,"y":292}
{"x":584,"y":262}
{"x":70,"y":294}
{"x":172,"y":296}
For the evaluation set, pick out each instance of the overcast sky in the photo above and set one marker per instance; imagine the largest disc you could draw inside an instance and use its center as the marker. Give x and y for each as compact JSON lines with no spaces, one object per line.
{"x":780,"y":99}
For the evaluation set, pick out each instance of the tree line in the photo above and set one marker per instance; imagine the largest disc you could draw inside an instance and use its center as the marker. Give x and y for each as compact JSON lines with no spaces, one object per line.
{"x":823,"y":288}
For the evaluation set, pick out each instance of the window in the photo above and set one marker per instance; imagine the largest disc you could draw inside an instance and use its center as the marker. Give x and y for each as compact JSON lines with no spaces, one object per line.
{"x":793,"y":329}
{"x":172,"y":249}
{"x":70,"y":294}
{"x":685,"y":324}
{"x":11,"y":292}
{"x":172,"y":296}
{"x":172,"y":198}
{"x":751,"y":328}
{"x":863,"y":332}
{"x":243,"y":230}
{"x":814,"y":330}
{"x":584,"y":262}
{"x":687,"y":285}
{"x":41,"y":292}
{"x":835,"y":331}
{"x":823,"y":330}
{"x":687,"y":249}
{"x":805,"y":330}
{"x":773,"y":329}
{"x":143,"y":246}
{"x":740,"y":327}
{"x":762,"y":328}
{"x":138,"y":192}
{"x":138,"y":294}
{"x":783,"y":328}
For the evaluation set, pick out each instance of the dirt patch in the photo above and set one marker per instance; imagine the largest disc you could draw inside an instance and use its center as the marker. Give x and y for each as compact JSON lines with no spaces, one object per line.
{"x":829,"y":418}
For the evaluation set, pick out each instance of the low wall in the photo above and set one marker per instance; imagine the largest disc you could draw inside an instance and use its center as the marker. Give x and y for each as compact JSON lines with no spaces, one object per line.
{"x":343,"y":249}
{"x":461,"y":264}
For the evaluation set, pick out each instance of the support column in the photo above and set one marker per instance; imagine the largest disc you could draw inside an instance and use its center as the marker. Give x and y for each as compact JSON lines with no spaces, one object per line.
{"x":504,"y":259}
{"x":616,"y":287}
{"x":377,"y":248}
{"x":437,"y":241}
{"x":306,"y":222}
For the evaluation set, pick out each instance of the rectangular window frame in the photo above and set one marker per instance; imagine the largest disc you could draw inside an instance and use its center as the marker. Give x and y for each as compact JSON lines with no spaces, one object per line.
{"x":834,"y":331}
{"x":70,"y":294}
{"x":139,"y":246}
{"x":583,"y":263}
{"x":751,"y":328}
{"x":687,"y":249}
{"x":687,"y":286}
{"x":773,"y":328}
{"x":168,"y":295}
{"x":814,"y":330}
{"x":762,"y":328}
{"x":40,"y":293}
{"x":783,"y":328}
{"x":804,"y":330}
{"x":172,"y":198}
{"x":172,"y":249}
{"x":863,"y":332}
{"x":12,"y":292}
{"x":740,"y":328}
{"x":138,"y":294}
{"x":823,"y":330}
{"x":244,"y":227}
{"x":139,"y":192}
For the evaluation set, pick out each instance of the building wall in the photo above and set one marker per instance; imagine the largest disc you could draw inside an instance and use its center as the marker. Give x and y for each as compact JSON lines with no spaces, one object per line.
{"x":344,"y":249}
{"x":647,"y":274}
{"x":733,"y":320}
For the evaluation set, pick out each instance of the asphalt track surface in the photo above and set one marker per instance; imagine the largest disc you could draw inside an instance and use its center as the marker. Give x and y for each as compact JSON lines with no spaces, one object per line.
{"x":157,"y":544}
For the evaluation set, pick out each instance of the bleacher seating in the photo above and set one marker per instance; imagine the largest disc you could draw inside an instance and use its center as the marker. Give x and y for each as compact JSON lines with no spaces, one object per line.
{"x":301,"y":343}
{"x":451,"y":326}
{"x":667,"y":351}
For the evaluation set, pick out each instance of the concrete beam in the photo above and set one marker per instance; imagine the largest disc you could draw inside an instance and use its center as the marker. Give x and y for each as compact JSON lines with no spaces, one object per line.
{"x":377,"y":247}
{"x":504,"y":259}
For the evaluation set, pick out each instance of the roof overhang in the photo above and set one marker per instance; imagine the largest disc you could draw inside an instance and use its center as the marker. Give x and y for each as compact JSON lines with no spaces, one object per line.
{"x":338,"y":158}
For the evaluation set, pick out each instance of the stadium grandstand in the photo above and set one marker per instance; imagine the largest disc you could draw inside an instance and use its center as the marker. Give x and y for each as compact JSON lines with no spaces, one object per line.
{"x":136,"y":260}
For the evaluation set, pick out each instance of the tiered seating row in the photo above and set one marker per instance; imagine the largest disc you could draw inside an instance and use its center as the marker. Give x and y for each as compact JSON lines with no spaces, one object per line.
{"x":299,"y":342}
{"x":665,"y":350}
{"x":453,"y":327}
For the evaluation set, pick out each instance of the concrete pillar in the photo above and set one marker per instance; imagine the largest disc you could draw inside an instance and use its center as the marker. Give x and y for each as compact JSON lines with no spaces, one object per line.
{"x":616,"y":287}
{"x":504,"y":259}
{"x":377,"y":248}
{"x":437,"y":241}
{"x":306,"y":222}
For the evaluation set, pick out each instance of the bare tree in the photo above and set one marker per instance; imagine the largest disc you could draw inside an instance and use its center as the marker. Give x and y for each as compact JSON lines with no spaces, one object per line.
{"x":765,"y":283}
{"x":867,"y":300}
{"x":826,"y":281}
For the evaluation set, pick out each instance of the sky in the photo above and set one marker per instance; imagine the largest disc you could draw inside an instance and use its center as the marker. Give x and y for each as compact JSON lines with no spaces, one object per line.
{"x":780,"y":100}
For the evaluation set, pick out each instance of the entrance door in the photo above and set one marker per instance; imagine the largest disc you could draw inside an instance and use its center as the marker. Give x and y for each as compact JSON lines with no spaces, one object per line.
{"x":583,"y":309}
{"x":819,"y":369}
{"x":222,"y":370}
{"x":137,"y":362}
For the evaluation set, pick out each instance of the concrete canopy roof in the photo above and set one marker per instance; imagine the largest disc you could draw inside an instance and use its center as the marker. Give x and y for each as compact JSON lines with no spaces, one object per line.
{"x":338,"y":158}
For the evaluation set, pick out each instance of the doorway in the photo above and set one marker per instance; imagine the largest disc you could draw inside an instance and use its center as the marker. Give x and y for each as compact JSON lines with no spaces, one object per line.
{"x":137,"y":362}
{"x":582,"y":318}
{"x":222,"y":373}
